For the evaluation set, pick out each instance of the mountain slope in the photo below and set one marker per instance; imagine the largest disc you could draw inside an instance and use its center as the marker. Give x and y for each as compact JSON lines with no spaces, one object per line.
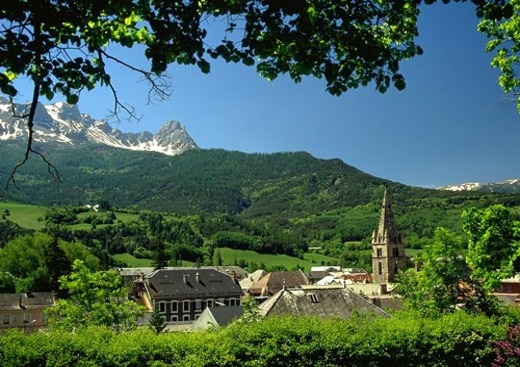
{"x":292,"y":194}
{"x":65,"y":124}
{"x":207,"y":181}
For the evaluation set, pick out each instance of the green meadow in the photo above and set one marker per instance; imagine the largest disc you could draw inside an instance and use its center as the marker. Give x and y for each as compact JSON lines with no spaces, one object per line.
{"x":27,"y":216}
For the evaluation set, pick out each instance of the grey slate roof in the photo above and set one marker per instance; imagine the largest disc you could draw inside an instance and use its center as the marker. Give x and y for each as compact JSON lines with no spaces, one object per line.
{"x":230,"y":270}
{"x":319,"y":301}
{"x":224,"y":315}
{"x":217,"y":316}
{"x":17,"y":301}
{"x":191,"y":283}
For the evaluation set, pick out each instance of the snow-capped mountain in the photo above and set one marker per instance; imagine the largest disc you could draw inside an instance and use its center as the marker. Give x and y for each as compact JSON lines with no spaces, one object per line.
{"x":64,"y":123}
{"x":505,"y":187}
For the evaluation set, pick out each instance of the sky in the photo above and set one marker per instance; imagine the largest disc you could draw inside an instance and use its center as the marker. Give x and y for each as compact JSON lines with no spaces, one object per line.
{"x":452,"y":124}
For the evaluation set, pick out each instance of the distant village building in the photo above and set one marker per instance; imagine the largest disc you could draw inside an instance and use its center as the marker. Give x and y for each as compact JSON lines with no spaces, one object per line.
{"x":181,"y":295}
{"x":509,"y":291}
{"x":129,"y":275}
{"x":322,"y":302}
{"x":388,"y":253}
{"x":273,"y":282}
{"x":25,"y":311}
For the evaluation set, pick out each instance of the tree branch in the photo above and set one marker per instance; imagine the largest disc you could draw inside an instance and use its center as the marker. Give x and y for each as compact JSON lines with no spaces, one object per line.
{"x":29,"y":119}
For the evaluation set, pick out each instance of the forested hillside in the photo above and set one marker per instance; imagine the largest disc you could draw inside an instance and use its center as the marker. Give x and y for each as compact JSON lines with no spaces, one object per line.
{"x":293,"y":197}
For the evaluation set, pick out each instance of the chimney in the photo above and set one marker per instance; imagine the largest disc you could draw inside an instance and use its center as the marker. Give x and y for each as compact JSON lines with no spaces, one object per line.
{"x":197,"y":277}
{"x":184,"y":276}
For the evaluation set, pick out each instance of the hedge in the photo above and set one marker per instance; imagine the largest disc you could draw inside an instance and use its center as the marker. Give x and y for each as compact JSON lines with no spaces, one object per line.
{"x":456,"y":340}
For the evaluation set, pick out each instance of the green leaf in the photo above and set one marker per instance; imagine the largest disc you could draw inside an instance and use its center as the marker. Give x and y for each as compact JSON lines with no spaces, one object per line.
{"x":72,"y":99}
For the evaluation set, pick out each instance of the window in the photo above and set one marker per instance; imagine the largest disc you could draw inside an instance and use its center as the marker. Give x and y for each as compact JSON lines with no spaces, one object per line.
{"x":175,"y":306}
{"x":186,"y":306}
{"x":198,"y":304}
{"x":380,"y":269}
{"x":162,"y":307}
{"x":25,"y":318}
{"x":6,"y":319}
{"x":186,"y":318}
{"x":197,"y":316}
{"x":174,"y":318}
{"x":313,"y":298}
{"x":231,"y":301}
{"x":210,"y":303}
{"x":379,"y":252}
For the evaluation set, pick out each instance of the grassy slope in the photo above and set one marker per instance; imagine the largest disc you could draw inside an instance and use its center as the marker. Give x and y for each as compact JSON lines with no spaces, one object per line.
{"x":26,"y":216}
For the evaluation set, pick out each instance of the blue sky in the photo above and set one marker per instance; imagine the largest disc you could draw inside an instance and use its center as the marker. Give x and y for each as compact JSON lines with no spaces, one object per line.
{"x":451,"y":124}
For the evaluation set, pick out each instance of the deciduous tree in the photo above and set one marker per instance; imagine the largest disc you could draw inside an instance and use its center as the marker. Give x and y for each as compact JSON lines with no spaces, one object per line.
{"x":95,"y":298}
{"x":438,"y":286}
{"x":494,"y":244}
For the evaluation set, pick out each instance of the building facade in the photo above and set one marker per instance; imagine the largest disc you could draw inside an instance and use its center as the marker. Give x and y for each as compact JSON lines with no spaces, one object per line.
{"x":25,"y":311}
{"x":181,"y":295}
{"x":388,"y":250}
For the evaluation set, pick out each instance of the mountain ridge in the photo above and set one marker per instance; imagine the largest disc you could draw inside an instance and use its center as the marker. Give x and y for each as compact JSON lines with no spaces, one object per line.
{"x":65,"y":124}
{"x":511,"y":186}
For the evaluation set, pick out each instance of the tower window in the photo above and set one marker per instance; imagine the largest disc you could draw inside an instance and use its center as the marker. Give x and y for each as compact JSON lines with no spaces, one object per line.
{"x":313,"y":298}
{"x":380,"y":268}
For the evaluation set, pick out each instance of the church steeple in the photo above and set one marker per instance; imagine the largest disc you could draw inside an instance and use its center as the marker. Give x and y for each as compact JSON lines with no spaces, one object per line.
{"x":386,"y":228}
{"x":387,"y":246}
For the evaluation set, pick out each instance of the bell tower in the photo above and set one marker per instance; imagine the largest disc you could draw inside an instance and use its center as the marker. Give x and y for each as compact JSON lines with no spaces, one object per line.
{"x":387,"y":246}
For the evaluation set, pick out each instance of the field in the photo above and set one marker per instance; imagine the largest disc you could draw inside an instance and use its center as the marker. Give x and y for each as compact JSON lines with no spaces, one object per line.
{"x":30,"y":216}
{"x":27,"y":216}
{"x":230,"y":257}
{"x":132,"y":261}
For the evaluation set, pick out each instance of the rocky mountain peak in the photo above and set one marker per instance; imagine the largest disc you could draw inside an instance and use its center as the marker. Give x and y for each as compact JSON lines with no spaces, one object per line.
{"x":64,"y":123}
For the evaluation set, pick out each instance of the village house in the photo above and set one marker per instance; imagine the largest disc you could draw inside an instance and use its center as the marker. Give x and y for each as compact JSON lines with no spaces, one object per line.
{"x":509,"y":291}
{"x":181,"y":295}
{"x":273,"y":282}
{"x":129,"y":275}
{"x":25,"y":311}
{"x":319,"y":301}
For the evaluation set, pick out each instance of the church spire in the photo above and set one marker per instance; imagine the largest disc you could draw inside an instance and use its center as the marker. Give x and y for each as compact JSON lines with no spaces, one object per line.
{"x":386,"y":230}
{"x":388,"y":255}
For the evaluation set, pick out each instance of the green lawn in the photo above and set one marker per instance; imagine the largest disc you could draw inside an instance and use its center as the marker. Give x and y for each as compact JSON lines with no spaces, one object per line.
{"x":27,"y":216}
{"x":229,"y":256}
{"x":132,"y":261}
{"x":31,"y":216}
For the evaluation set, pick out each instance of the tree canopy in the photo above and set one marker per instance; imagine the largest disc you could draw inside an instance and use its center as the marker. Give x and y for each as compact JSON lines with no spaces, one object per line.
{"x":453,"y":274}
{"x":94,"y":298}
{"x":62,"y":45}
